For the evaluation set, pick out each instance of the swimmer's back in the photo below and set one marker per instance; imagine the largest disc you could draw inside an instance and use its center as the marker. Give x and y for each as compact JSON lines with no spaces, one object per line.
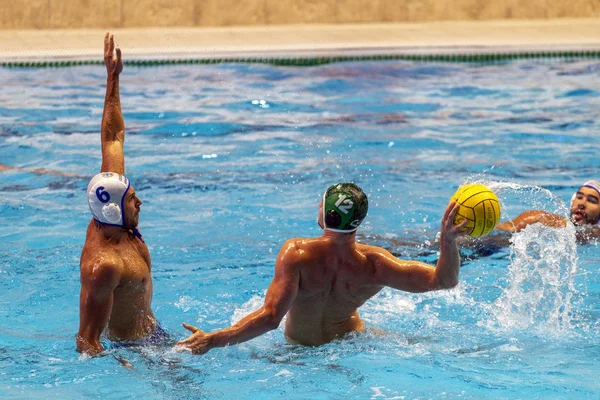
{"x":334,"y":282}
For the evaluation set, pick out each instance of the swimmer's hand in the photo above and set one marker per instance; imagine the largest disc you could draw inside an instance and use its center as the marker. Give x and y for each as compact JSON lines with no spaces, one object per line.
{"x":112,"y":58}
{"x":199,"y":341}
{"x":91,"y":349}
{"x":450,"y":232}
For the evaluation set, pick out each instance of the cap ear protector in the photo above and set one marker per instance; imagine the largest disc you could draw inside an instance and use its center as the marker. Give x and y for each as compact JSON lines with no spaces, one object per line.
{"x":112,"y":213}
{"x":106,"y":194}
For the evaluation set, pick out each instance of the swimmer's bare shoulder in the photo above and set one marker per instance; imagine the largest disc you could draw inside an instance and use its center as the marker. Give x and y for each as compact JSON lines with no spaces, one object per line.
{"x":300,"y":251}
{"x":101,"y":265}
{"x":99,"y":262}
{"x":374,"y":254}
{"x":377,"y":259}
{"x":100,"y":274}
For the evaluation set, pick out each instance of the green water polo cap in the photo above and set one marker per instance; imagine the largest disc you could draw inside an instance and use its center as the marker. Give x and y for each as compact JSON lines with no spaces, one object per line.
{"x":345,"y":206}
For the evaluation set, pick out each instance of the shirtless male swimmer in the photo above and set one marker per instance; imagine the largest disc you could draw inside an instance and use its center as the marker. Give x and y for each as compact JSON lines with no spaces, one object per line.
{"x":321,"y":282}
{"x":116,"y":284}
{"x":584,"y":214}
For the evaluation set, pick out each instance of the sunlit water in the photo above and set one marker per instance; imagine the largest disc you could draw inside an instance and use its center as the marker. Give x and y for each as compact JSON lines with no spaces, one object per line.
{"x":231,"y":160}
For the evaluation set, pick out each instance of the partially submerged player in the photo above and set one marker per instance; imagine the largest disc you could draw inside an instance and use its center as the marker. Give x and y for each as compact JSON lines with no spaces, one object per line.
{"x":584,"y":214}
{"x":116,"y":282}
{"x":321,"y":282}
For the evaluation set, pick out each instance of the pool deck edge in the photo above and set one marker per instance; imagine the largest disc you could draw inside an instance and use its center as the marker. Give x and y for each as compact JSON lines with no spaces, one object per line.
{"x":307,"y":41}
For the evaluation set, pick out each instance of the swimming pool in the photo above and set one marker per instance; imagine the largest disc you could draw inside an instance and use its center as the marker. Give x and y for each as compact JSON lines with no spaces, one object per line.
{"x":231,"y":160}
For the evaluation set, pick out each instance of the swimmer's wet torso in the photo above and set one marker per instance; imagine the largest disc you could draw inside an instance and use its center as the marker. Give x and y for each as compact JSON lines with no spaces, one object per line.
{"x":131,"y":317}
{"x":320,"y":283}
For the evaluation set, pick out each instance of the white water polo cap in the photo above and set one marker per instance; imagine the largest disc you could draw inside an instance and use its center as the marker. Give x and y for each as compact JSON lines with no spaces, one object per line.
{"x":106,"y":193}
{"x":593,"y":185}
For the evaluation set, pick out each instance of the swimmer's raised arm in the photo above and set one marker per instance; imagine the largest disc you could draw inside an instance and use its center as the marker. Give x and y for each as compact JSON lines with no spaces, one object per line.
{"x":98,"y":282}
{"x":281,"y":294}
{"x":113,"y":126}
{"x":415,"y":276}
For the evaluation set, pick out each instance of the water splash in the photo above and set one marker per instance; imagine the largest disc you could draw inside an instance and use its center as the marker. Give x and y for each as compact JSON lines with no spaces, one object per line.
{"x":530,"y":197}
{"x":515,"y":198}
{"x":540,"y":294}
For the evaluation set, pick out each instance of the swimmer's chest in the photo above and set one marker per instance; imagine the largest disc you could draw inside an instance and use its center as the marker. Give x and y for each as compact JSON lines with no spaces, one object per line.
{"x":136,"y":259}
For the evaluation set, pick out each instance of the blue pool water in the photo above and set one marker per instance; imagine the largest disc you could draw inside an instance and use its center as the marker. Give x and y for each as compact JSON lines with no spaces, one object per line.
{"x":231,"y":160}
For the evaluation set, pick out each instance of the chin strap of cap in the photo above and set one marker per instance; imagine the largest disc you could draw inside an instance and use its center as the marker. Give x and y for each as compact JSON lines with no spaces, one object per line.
{"x":137,"y":234}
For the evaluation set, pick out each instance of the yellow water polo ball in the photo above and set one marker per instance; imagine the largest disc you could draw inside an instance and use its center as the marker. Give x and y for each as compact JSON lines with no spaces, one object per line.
{"x":480,"y":206}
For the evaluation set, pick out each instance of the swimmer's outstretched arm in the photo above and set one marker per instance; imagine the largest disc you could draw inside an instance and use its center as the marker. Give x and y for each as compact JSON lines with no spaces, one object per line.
{"x":532,"y":217}
{"x":98,"y":282}
{"x":417,"y":277}
{"x":281,"y":294}
{"x":113,"y":126}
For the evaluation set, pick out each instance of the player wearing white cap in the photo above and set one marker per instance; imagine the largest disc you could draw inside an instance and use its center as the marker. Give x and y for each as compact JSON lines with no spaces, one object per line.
{"x":584,"y":214}
{"x":116,"y":282}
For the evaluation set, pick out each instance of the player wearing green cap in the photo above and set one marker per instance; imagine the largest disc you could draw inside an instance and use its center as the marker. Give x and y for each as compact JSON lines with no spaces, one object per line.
{"x":321,"y":282}
{"x":345,"y":205}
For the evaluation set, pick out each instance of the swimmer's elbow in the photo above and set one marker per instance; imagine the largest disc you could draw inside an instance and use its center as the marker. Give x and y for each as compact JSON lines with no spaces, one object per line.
{"x":273,"y":324}
{"x":451,"y":284}
{"x":269,"y":323}
{"x":271,"y":319}
{"x":445,"y":283}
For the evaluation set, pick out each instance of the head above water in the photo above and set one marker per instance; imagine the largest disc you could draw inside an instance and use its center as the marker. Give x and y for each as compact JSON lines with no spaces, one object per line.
{"x":345,"y":205}
{"x":112,"y":200}
{"x":585,"y":204}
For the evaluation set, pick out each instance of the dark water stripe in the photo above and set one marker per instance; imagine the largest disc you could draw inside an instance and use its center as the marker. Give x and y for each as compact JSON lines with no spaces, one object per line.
{"x":312,"y":61}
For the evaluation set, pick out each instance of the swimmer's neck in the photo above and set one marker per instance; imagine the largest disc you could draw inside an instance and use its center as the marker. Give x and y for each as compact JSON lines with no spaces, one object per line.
{"x":340,"y":238}
{"x":111,"y":232}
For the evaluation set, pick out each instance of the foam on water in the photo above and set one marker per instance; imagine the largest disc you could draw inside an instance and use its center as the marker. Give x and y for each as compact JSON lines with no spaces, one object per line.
{"x":529,"y":197}
{"x":540,"y":293}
